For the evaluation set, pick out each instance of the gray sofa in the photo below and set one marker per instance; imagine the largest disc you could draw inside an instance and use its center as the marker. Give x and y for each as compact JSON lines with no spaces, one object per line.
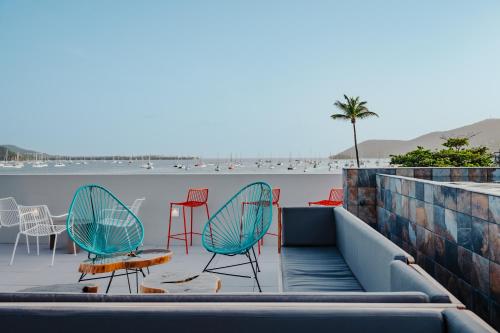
{"x":331,"y":250}
{"x":241,"y":318}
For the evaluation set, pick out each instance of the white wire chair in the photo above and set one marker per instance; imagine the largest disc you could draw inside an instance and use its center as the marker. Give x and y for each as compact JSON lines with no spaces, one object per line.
{"x":111,"y":213}
{"x":36,"y":221}
{"x":9,"y":215}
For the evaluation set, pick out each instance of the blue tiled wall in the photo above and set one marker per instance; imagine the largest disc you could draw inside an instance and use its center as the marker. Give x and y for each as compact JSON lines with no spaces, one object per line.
{"x":452,"y":232}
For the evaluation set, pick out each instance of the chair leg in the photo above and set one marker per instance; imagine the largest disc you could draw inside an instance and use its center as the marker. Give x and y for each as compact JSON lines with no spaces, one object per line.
{"x":37,"y":246}
{"x":54,"y":250}
{"x":256,"y":262}
{"x":14,"y":252}
{"x":74,"y":248}
{"x":209,"y":262}
{"x":210,"y":225}
{"x":185,"y":229}
{"x":254,"y":271}
{"x":208,"y":214}
{"x":27,"y":244}
{"x":128,"y":281}
{"x":169,"y":227}
{"x":191,"y":231}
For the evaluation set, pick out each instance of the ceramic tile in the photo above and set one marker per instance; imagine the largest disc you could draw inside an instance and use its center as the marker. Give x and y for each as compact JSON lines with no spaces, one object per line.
{"x":450,"y":197}
{"x":480,"y":278}
{"x":438,"y":219}
{"x":439,"y":250}
{"x":412,"y":234}
{"x":429,"y":193}
{"x":412,"y":210}
{"x":425,"y":242}
{"x":494,"y":242}
{"x":480,"y":237}
{"x":352,"y":177}
{"x":458,"y":174}
{"x":451,"y":257}
{"x":479,"y":205}
{"x":440,"y":172}
{"x":480,"y":305}
{"x":495,"y":281}
{"x":464,"y":263}
{"x":494,"y":208}
{"x":366,"y":196}
{"x":464,"y":201}
{"x":419,"y":191}
{"x":450,"y":225}
{"x":464,"y":225}
{"x":438,"y":195}
{"x":423,"y":173}
{"x":411,"y":189}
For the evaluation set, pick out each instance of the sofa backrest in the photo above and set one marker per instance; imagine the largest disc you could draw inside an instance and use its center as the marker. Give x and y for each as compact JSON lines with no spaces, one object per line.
{"x":366,"y":251}
{"x":313,"y":226}
{"x":406,"y":278}
{"x":229,"y":318}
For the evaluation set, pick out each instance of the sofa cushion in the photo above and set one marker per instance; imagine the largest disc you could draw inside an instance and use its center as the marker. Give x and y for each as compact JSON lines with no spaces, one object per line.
{"x":405,"y":278}
{"x":313,"y":226}
{"x":316,"y":269}
{"x":366,"y":251}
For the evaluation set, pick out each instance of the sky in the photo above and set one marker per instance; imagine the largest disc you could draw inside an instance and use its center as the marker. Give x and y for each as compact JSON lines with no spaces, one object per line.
{"x":251,"y":78}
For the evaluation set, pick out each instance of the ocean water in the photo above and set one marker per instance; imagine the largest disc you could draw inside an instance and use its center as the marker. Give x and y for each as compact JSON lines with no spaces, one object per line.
{"x":208,"y":166}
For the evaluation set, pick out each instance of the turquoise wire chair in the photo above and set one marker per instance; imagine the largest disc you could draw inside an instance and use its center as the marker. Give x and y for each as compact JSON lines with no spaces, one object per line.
{"x":101,"y":224}
{"x":236,"y":227}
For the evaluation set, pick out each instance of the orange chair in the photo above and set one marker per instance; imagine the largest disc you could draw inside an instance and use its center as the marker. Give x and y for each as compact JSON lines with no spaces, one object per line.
{"x":276,"y":203}
{"x":197,"y":197}
{"x":336,"y":198}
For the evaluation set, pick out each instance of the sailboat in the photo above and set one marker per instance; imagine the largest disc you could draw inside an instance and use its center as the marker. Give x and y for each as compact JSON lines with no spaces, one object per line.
{"x":148,"y":165}
{"x":39,"y":164}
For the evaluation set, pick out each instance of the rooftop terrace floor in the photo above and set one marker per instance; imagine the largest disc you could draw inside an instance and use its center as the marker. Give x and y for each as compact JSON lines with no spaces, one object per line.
{"x":30,"y":270}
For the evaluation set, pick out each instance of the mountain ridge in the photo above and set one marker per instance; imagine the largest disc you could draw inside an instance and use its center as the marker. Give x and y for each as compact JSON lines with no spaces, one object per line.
{"x":482,"y":133}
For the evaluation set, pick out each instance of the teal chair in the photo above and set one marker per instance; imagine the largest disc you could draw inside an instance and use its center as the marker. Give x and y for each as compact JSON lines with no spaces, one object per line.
{"x":239,"y":225}
{"x":101,"y":224}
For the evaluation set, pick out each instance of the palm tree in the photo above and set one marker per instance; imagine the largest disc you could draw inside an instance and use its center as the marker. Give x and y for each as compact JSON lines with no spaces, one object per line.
{"x":351,"y":110}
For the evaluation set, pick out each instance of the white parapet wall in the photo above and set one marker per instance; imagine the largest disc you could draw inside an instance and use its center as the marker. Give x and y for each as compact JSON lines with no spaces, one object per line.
{"x":56,"y":191}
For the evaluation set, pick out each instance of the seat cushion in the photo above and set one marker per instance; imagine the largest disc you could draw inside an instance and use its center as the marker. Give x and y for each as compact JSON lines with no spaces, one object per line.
{"x":316,"y":269}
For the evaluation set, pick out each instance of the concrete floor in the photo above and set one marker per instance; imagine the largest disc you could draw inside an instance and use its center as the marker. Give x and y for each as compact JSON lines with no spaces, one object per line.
{"x":30,"y":270}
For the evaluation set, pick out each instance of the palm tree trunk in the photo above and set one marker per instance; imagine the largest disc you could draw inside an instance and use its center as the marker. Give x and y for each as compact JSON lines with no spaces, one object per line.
{"x":355,"y":142}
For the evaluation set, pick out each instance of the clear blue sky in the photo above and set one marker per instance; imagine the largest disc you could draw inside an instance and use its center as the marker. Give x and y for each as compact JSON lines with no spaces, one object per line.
{"x":249,"y":77}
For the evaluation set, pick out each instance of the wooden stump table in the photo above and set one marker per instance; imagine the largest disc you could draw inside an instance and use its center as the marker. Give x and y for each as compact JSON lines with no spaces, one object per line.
{"x":178,"y":282}
{"x":131,"y":263}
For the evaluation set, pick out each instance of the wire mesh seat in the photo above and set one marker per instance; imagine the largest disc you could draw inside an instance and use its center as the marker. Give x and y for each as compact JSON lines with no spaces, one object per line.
{"x":196,"y":197}
{"x":9,"y":215}
{"x":334,"y":199}
{"x":238,"y":226}
{"x":37,"y":221}
{"x":101,"y":224}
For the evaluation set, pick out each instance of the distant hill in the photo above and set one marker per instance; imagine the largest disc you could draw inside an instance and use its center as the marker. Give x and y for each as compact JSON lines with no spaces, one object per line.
{"x":16,"y":149}
{"x":483,"y":133}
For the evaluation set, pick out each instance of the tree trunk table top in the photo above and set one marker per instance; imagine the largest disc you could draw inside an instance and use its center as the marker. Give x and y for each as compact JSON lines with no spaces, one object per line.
{"x":63,"y":288}
{"x":138,"y":260}
{"x":180,"y":282}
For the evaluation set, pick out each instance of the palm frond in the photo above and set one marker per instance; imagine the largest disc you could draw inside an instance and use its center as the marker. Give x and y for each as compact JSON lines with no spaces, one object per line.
{"x":340,"y":116}
{"x":365,"y":114}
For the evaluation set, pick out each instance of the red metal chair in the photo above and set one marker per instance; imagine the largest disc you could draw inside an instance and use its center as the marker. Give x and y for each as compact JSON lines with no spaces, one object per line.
{"x":336,"y":198}
{"x":196,"y":197}
{"x":276,"y":203}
